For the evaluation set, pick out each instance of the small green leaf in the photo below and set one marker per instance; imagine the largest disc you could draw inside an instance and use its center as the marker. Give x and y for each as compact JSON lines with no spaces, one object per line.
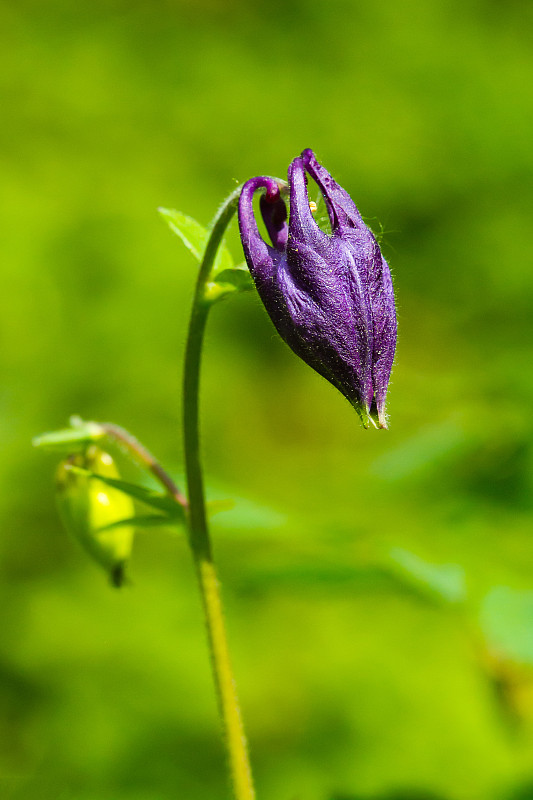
{"x":228,"y":282}
{"x":70,"y":440}
{"x":194,"y":236}
{"x":156,"y":500}
{"x":237,"y":277}
{"x":141,"y":521}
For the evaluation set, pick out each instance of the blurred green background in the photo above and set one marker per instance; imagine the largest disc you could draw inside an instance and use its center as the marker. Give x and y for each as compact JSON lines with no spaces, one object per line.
{"x":378,"y":585}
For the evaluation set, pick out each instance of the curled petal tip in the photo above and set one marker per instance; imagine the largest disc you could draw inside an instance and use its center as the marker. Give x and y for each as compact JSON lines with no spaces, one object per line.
{"x":272,"y":193}
{"x":259,"y":256}
{"x":271,"y":185}
{"x":308,"y":155}
{"x":302,"y":225}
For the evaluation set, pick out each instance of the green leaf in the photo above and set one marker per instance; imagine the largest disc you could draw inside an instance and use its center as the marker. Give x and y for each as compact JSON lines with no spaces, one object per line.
{"x":150,"y":498}
{"x":238,"y":278}
{"x":227,"y":282}
{"x":70,"y":440}
{"x":440,"y":581}
{"x":141,"y":521}
{"x":194,"y":236}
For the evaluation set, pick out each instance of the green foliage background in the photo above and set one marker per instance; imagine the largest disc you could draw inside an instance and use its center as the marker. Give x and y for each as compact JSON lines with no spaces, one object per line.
{"x":378,"y":585}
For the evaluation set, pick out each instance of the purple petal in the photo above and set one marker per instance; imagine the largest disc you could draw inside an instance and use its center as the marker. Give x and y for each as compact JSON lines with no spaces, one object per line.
{"x":385,"y":325}
{"x":260,"y":257}
{"x":342,"y":210}
{"x":274,"y":213}
{"x":302,"y":224}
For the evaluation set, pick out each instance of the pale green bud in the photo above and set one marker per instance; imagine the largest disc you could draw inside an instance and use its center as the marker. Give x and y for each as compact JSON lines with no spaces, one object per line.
{"x":90,"y":510}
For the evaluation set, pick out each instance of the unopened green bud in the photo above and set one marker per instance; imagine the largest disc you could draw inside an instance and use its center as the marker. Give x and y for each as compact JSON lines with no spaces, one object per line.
{"x":92,"y":511}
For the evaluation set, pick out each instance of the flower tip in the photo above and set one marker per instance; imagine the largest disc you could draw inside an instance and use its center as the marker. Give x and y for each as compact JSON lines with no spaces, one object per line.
{"x":371,"y":416}
{"x":363,"y":413}
{"x":379,"y":418}
{"x":273,"y":192}
{"x":308,"y":155}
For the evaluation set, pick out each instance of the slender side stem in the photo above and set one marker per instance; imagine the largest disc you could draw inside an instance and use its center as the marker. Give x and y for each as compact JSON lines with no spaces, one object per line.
{"x":142,"y":455}
{"x":235,"y":739}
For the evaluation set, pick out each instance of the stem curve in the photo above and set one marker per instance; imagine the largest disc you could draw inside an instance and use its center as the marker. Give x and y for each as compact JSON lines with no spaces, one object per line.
{"x":199,"y":540}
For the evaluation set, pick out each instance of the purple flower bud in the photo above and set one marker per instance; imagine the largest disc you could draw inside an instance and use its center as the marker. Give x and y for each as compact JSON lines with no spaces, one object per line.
{"x":330,"y":297}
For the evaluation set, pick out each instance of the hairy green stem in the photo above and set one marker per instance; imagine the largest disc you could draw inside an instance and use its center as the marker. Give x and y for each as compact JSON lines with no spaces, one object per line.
{"x":234,"y":736}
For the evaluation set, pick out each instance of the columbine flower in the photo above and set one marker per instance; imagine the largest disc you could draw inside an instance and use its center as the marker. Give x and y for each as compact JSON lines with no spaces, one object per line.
{"x":330,"y":297}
